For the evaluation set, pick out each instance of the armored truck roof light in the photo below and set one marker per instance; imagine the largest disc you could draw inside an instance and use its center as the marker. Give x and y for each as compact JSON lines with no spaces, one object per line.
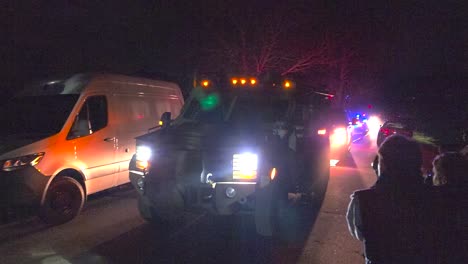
{"x":287,"y":84}
{"x":205,"y":83}
{"x":244,"y":81}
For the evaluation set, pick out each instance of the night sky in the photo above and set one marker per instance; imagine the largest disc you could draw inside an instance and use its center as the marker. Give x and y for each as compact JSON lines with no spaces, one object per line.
{"x":403,"y":47}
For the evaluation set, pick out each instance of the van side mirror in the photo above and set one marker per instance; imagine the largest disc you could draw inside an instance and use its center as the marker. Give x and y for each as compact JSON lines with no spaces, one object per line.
{"x":165,"y":120}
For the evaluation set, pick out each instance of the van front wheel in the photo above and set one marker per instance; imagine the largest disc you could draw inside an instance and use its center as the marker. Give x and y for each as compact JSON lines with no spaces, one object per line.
{"x":64,"y":200}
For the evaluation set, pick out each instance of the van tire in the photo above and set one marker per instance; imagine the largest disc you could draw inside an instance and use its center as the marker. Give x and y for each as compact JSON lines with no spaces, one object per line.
{"x":64,"y":200}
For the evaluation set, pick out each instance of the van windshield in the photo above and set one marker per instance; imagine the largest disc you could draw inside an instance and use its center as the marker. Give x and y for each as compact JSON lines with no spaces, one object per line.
{"x":35,"y":116}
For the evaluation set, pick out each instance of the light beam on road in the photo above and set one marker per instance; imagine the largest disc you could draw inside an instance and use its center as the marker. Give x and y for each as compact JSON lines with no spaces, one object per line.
{"x":374,"y":124}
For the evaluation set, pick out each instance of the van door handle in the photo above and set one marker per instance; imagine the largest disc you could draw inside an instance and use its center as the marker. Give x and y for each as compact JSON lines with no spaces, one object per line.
{"x":109,"y":139}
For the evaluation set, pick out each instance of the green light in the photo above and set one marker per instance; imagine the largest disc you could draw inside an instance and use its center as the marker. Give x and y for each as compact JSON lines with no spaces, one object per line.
{"x":209,"y":102}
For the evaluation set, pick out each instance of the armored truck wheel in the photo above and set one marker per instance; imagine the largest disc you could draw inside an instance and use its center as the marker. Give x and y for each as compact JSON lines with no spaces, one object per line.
{"x":278,"y":214}
{"x":265,"y":211}
{"x":155,"y":218}
{"x":166,"y":211}
{"x":146,"y":212}
{"x":320,"y":171}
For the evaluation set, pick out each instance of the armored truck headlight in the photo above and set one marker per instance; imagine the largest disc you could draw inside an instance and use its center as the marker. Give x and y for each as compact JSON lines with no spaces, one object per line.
{"x":143,"y":155}
{"x":245,"y":166}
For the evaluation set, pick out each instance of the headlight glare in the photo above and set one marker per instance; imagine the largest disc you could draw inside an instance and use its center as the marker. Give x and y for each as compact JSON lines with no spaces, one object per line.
{"x":143,"y":155}
{"x":245,"y":166}
{"x":20,"y":162}
{"x":339,"y":137}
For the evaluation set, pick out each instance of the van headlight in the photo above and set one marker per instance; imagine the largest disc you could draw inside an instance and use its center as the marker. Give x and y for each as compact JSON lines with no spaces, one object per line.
{"x":143,"y":156}
{"x":244,"y":166}
{"x":23,"y":161}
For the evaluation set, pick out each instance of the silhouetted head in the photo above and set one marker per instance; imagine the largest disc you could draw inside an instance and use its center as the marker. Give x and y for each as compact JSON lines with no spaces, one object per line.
{"x":400,"y":159}
{"x":449,"y":148}
{"x":464,"y":152}
{"x":449,"y":168}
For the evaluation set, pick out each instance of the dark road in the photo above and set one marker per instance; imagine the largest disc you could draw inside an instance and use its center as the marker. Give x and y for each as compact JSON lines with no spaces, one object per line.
{"x":110,"y":230}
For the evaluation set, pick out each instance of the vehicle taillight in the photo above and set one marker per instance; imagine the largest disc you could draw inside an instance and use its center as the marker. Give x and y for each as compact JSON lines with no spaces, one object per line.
{"x":387,"y":131}
{"x":322,"y":132}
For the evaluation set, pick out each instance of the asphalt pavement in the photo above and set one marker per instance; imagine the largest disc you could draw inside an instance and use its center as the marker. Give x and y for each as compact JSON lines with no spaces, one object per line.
{"x":110,"y":230}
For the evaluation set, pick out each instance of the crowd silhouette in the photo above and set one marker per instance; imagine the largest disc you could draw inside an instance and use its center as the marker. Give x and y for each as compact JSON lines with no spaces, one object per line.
{"x":402,"y":218}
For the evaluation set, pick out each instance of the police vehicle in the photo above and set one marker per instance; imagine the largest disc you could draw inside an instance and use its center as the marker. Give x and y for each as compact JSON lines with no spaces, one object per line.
{"x":241,"y":145}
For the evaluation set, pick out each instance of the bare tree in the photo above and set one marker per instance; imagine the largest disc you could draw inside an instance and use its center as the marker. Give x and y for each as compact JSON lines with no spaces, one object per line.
{"x":256,"y":42}
{"x":280,"y":39}
{"x":316,"y":56}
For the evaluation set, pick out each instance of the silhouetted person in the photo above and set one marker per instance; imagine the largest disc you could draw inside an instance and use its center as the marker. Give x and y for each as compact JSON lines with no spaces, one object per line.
{"x":389,"y":217}
{"x":449,"y":206}
{"x":464,"y":152}
{"x":450,"y":170}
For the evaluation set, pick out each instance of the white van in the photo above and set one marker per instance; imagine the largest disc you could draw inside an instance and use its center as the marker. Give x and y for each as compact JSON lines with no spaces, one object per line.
{"x":63,"y":140}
